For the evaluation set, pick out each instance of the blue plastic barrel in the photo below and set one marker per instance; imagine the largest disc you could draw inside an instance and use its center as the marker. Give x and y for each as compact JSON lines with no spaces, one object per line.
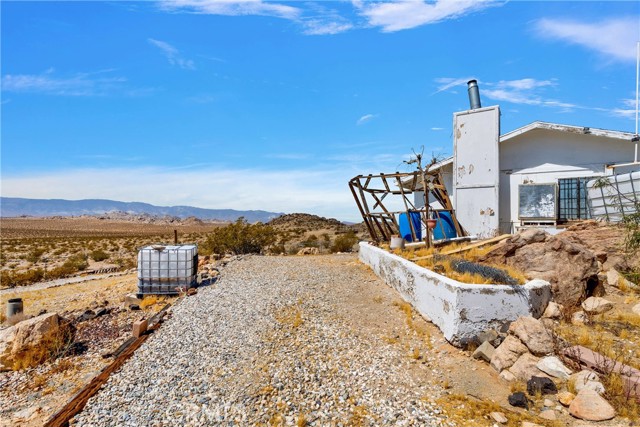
{"x":405,"y":228}
{"x":444,"y":223}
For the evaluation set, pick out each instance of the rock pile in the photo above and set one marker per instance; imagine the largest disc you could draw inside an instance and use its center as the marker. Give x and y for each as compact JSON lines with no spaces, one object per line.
{"x":525,"y":354}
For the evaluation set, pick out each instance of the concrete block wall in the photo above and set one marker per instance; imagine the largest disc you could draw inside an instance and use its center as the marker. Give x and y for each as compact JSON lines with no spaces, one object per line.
{"x":460,"y":310}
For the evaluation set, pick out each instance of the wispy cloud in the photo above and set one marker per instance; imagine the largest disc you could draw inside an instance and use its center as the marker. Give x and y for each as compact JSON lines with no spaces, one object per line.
{"x":527,"y":91}
{"x":173,"y":55}
{"x":437,"y":129}
{"x":626,"y":110}
{"x":313,"y":18}
{"x":446,"y":83}
{"x":201,"y":99}
{"x":80,"y":84}
{"x":533,"y":92}
{"x":403,"y":15}
{"x":614,"y":38}
{"x":366,"y":118}
{"x":318,"y":19}
{"x":233,"y":7}
{"x":321,"y":27}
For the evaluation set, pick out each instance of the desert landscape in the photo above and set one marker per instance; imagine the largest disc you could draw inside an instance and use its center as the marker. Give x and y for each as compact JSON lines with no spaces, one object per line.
{"x":84,"y":270}
{"x":327,"y":213}
{"x":312,"y":288}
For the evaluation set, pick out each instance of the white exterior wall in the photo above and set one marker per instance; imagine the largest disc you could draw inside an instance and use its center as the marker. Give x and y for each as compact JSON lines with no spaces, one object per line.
{"x":476,"y":170}
{"x":543,"y":156}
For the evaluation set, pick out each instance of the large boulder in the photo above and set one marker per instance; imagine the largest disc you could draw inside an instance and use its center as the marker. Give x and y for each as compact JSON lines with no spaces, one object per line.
{"x":507,"y":353}
{"x":533,"y":334}
{"x":587,"y":380}
{"x":589,"y":405}
{"x":525,"y":367}
{"x":553,"y":366}
{"x":568,"y":265}
{"x":33,"y":340}
{"x":596,"y":305}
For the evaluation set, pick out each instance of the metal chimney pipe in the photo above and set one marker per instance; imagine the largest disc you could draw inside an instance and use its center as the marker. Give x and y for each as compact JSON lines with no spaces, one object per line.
{"x":474,"y":94}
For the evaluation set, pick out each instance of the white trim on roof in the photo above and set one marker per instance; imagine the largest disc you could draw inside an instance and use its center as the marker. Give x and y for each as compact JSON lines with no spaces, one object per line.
{"x":567,"y":128}
{"x":440,"y":164}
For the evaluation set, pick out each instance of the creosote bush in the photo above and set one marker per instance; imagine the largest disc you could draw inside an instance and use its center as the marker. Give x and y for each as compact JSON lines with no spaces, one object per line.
{"x":344,"y":242}
{"x":99,"y":255}
{"x":240,"y":237}
{"x":77,"y":262}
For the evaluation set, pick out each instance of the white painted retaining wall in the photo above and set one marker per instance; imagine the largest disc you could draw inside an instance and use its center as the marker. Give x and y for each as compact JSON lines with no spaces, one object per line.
{"x":460,"y":310}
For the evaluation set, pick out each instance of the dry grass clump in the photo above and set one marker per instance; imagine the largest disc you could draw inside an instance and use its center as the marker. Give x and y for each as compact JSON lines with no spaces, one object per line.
{"x":291,"y":316}
{"x":149,"y":301}
{"x":419,"y":328}
{"x":48,"y":349}
{"x":615,"y":335}
{"x":16,"y":318}
{"x":358,"y":417}
{"x":620,"y":398}
{"x":444,"y":266}
{"x":467,"y":411}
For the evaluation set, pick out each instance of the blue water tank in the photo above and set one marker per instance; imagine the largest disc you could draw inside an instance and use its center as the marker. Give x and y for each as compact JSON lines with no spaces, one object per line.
{"x":405,"y":228}
{"x":444,"y":224}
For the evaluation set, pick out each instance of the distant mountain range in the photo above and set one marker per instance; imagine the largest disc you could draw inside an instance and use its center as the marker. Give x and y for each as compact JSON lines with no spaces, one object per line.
{"x":15,"y":207}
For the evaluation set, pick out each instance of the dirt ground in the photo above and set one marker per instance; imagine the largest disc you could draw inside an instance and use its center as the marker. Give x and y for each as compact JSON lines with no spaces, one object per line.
{"x":471,"y":388}
{"x":29,"y":397}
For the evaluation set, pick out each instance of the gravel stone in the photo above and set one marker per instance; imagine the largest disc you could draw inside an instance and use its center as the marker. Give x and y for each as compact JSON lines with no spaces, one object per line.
{"x":266,"y":344}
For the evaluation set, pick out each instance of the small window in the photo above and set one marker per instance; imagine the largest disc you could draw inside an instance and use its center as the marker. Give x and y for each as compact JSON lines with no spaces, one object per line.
{"x":572,"y":199}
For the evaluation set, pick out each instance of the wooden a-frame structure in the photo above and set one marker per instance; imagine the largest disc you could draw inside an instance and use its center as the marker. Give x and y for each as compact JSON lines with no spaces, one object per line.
{"x":369,"y":192}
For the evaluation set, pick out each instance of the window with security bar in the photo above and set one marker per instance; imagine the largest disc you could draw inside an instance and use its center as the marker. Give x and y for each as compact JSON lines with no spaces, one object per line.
{"x":573,"y":202}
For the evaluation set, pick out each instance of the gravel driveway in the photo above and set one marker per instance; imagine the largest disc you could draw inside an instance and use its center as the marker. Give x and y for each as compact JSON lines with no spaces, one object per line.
{"x":276,"y":341}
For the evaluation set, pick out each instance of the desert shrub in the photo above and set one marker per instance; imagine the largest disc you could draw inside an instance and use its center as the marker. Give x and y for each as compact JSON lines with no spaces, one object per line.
{"x":344,"y":242}
{"x":34,"y":255}
{"x":99,"y":255}
{"x":632,"y":223}
{"x":21,"y":278}
{"x":240,"y":237}
{"x":77,"y":262}
{"x":311,"y":242}
{"x":125,"y":263}
{"x":55,"y":346}
{"x":278,"y":248}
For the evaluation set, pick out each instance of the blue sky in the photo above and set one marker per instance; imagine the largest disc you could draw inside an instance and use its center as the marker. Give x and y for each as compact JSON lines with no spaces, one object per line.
{"x":276,"y":105}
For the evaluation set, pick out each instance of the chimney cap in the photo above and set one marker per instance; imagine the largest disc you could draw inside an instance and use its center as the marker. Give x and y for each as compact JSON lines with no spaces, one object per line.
{"x":474,"y":94}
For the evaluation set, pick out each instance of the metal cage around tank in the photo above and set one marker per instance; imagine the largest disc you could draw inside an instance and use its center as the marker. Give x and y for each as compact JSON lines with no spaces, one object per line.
{"x":165,"y":270}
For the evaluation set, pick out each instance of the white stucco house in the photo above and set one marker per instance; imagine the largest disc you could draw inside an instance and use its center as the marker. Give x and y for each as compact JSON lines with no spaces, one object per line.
{"x":534,"y":175}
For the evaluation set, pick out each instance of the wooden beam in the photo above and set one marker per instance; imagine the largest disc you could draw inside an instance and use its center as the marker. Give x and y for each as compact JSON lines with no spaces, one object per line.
{"x":466,"y":248}
{"x":605,"y":365}
{"x":414,"y":233}
{"x":364,"y":214}
{"x":78,"y":402}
